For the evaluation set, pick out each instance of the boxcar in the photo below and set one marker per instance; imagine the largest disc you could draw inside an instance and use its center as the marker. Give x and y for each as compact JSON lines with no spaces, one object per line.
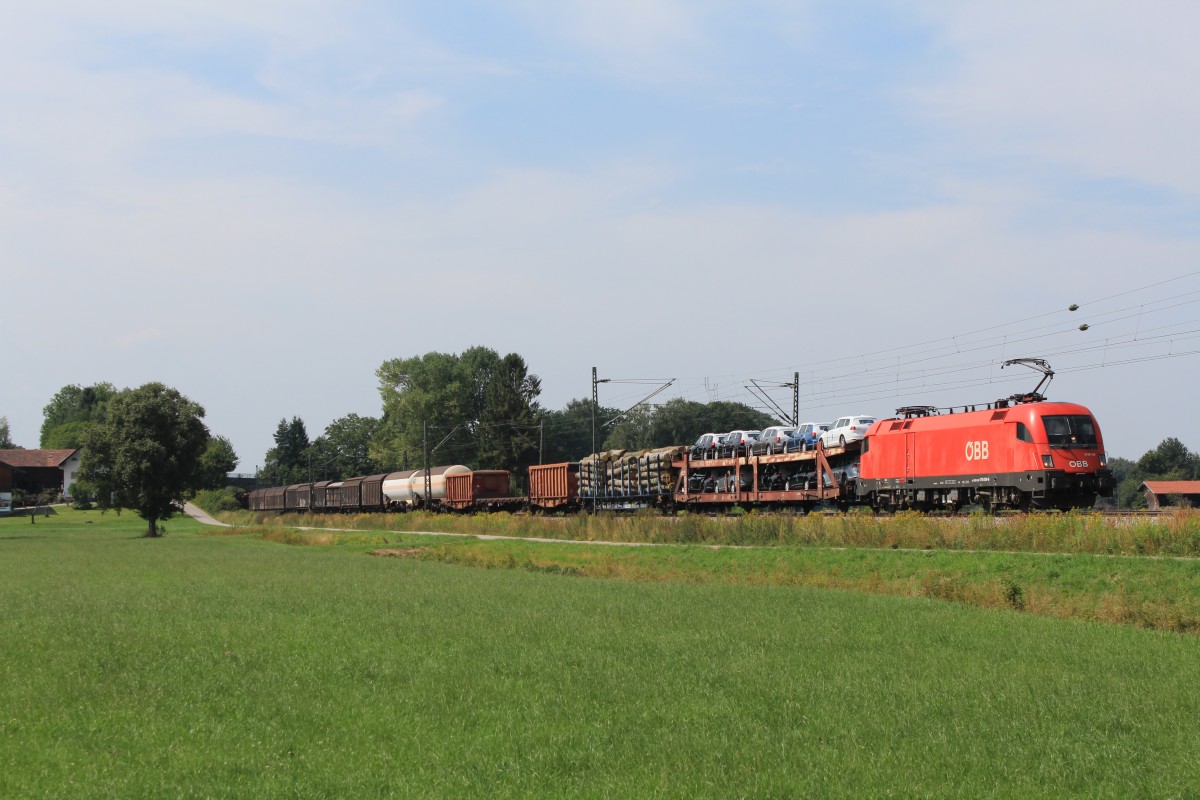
{"x":554,"y":486}
{"x":481,"y":489}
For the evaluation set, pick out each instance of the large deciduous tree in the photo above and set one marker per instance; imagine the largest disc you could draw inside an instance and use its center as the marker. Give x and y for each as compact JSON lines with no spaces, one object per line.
{"x":479,"y":406}
{"x":145,"y":455}
{"x":72,"y":412}
{"x":216,"y":462}
{"x":567,"y":432}
{"x":344,"y":449}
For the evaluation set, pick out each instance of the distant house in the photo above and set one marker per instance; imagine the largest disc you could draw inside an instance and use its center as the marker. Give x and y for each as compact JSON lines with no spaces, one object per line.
{"x":1160,"y":494}
{"x":39,"y":470}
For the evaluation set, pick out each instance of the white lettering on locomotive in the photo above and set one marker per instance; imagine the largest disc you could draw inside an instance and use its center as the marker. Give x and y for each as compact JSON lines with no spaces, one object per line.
{"x":977,"y":451}
{"x":1079,"y":464}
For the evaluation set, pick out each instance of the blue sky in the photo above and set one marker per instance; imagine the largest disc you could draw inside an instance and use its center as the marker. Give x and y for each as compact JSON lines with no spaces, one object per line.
{"x":260,"y":203}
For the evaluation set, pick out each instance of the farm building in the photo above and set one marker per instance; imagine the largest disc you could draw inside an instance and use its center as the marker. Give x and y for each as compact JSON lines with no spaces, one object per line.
{"x":5,"y":489}
{"x":1162,"y":494}
{"x":38,"y":470}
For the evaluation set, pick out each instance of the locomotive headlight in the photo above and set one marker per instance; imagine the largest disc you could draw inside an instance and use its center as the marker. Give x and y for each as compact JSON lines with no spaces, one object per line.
{"x":1048,"y":461}
{"x":1104,"y":459}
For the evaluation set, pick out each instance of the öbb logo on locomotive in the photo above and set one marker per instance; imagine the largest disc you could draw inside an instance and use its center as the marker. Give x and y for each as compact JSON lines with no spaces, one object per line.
{"x":977,"y":450}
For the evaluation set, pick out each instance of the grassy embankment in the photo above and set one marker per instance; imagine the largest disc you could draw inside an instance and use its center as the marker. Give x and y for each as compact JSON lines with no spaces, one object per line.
{"x":1175,"y":534}
{"x":228,"y":666}
{"x":1074,"y":566}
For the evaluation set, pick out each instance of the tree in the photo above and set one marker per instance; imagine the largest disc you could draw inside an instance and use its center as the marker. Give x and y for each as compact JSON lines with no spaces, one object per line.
{"x":568,"y":433}
{"x":145,"y":455}
{"x":74,"y":404}
{"x":632,"y":430}
{"x":680,"y":421}
{"x":288,"y":461}
{"x":344,"y":449}
{"x":1169,"y":461}
{"x":479,"y":407}
{"x":6,"y":442}
{"x":504,"y":408}
{"x":67,"y":436}
{"x":216,"y":462}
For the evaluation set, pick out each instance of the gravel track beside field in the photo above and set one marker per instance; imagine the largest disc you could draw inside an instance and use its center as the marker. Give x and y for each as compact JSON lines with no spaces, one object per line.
{"x":200,"y":515}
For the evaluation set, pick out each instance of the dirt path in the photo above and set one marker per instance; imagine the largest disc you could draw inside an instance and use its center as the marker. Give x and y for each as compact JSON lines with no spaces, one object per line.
{"x":198,"y":514}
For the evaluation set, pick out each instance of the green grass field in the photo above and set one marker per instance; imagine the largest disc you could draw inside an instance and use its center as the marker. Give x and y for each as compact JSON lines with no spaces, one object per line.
{"x":199,"y":665}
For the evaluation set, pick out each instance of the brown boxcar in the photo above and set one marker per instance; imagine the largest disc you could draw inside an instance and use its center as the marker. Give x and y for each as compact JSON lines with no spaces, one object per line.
{"x":371,"y":493}
{"x":554,"y":486}
{"x":320,"y":499}
{"x":333,"y":496}
{"x":469,"y":489}
{"x":271,"y":498}
{"x":350,"y":495}
{"x":298,"y":497}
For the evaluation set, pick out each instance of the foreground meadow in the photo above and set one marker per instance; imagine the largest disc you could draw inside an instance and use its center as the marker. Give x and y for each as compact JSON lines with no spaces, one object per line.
{"x":232,"y":666}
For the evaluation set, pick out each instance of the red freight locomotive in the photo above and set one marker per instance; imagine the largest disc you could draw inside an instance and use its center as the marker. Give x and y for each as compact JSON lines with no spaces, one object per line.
{"x":1028,"y":455}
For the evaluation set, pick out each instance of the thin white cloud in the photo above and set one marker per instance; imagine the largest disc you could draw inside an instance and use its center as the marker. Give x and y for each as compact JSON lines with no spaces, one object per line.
{"x":75,"y":110}
{"x":1102,"y":88}
{"x":648,"y":41}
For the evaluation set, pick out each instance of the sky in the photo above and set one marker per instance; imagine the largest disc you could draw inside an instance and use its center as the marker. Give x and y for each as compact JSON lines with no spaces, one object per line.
{"x":260,"y":203}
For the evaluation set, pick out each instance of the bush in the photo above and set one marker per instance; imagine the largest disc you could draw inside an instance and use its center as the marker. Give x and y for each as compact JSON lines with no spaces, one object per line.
{"x":82,"y":494}
{"x":215,"y":500}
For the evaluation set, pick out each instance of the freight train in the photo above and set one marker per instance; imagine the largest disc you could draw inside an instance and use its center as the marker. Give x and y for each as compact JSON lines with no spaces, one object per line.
{"x":1023,"y":453}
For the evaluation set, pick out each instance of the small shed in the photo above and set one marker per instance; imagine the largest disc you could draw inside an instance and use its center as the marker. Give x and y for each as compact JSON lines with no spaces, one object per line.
{"x":1163,"y":494}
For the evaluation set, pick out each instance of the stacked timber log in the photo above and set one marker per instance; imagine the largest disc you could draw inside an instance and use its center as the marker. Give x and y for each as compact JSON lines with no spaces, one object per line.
{"x":620,"y":473}
{"x":593,"y":472}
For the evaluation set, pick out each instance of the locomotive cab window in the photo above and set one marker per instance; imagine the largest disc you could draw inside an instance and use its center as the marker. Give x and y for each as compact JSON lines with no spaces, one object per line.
{"x":1070,"y":430}
{"x":1023,"y":434}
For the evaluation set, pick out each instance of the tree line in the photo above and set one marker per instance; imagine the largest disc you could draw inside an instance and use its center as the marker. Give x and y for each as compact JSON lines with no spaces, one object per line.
{"x":481,"y":409}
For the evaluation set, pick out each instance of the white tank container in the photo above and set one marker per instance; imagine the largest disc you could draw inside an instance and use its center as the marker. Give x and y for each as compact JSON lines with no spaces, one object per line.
{"x":437,"y":481}
{"x":397,"y":488}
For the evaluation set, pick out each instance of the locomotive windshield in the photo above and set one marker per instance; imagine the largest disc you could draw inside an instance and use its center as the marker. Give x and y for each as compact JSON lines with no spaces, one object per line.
{"x":1070,"y":430}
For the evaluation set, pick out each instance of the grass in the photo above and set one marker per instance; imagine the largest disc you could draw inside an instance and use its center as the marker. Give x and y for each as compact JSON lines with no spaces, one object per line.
{"x":1072,"y":566}
{"x":229,"y":666}
{"x":1175,"y":534}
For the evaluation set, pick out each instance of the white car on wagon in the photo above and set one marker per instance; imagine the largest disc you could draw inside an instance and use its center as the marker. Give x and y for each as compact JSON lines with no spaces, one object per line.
{"x":847,"y":429}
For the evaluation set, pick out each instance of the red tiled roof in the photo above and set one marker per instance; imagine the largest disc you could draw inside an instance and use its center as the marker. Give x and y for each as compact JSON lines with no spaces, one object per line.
{"x":32,"y":459}
{"x":1173,"y":487}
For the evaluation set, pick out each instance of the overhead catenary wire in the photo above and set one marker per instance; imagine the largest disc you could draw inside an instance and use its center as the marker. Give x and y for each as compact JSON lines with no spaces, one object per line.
{"x":895,"y":365}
